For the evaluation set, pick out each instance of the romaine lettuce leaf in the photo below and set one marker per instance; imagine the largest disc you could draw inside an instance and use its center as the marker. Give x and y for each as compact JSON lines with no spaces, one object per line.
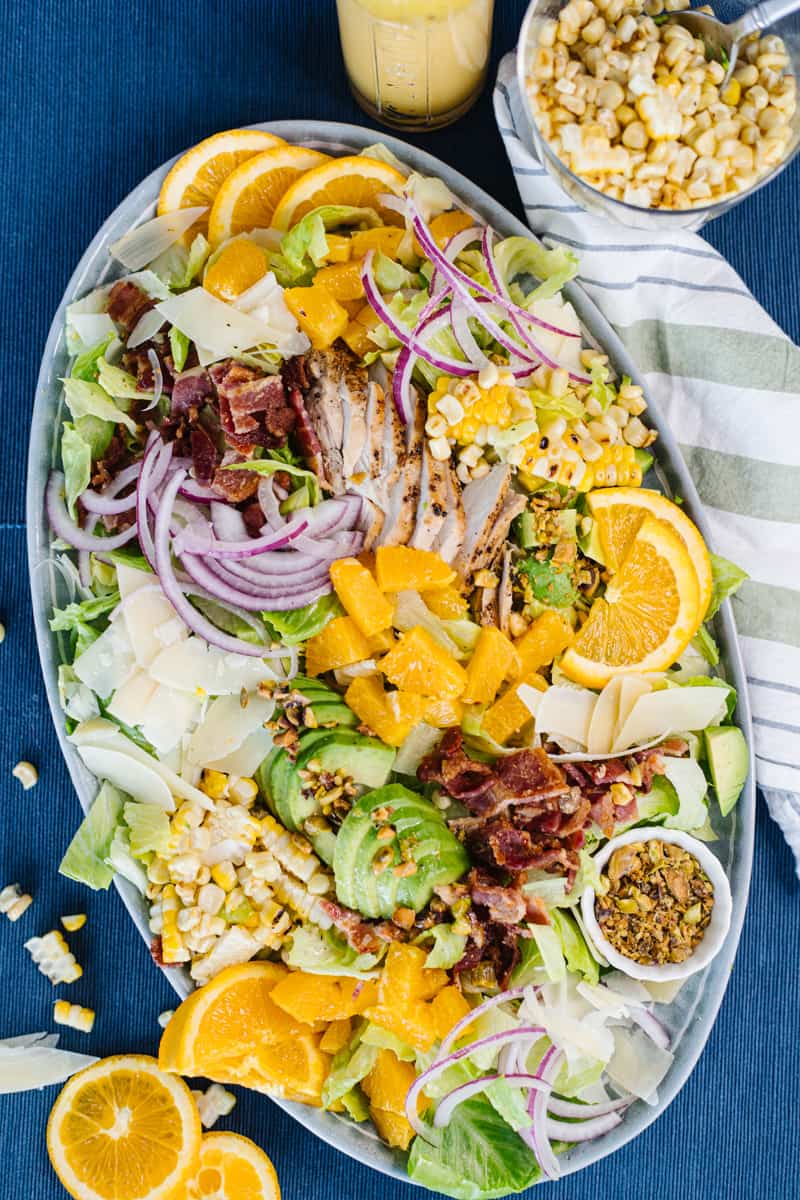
{"x":517,"y":256}
{"x":119,"y":384}
{"x":480,"y":1157}
{"x":390,"y":276}
{"x":298,"y":626}
{"x":726,"y":578}
{"x":76,"y":459}
{"x":325,"y":953}
{"x":306,"y":246}
{"x":86,"y":365}
{"x":448,"y":946}
{"x":86,"y":858}
{"x":122,"y":861}
{"x":600,"y":389}
{"x":177,"y":267}
{"x":179,"y":345}
{"x":706,"y":645}
{"x":573,"y":944}
{"x":374,"y":1035}
{"x":353,"y":1062}
{"x":91,"y":400}
{"x":148,"y":826}
{"x":84,"y":620}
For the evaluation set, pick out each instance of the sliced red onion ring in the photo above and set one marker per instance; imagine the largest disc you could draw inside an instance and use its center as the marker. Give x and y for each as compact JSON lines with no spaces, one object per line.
{"x":84,"y":568}
{"x":158,"y":379}
{"x":281,"y":598}
{"x":581,"y":1131}
{"x":64,"y":526}
{"x":228,"y":523}
{"x":463,"y":335}
{"x":453,"y":247}
{"x":105,"y":506}
{"x":288,"y":574}
{"x":536,"y":1137}
{"x":464,"y":1091}
{"x":191,"y":541}
{"x":568,"y":1108}
{"x":126,"y":476}
{"x":525,"y":1033}
{"x":650,"y":1025}
{"x":172,"y":589}
{"x":455,"y":1033}
{"x":147,"y":482}
{"x":338,"y":545}
{"x":401,"y":385}
{"x":200,"y":492}
{"x":269,"y":502}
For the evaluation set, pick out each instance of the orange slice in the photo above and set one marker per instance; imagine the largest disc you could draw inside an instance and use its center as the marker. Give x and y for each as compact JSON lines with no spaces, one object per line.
{"x":199,"y":174}
{"x":650,"y":612}
{"x":224,"y":1021}
{"x":124,"y":1130}
{"x":233,"y":1168}
{"x":353,"y":180}
{"x":619,"y":513}
{"x":240,"y":265}
{"x":249,"y":196}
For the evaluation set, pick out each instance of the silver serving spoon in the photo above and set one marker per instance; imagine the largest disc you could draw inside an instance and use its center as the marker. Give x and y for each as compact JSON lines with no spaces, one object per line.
{"x":722,"y":41}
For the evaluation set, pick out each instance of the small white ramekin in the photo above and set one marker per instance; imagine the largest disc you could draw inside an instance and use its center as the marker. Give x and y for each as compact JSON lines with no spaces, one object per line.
{"x":717,"y":927}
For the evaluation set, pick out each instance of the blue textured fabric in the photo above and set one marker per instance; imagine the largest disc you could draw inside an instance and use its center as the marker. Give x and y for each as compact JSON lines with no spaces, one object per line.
{"x":95,"y":96}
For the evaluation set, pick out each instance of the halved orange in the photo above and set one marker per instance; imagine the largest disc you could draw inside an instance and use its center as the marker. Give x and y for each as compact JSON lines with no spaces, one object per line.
{"x":619,"y":513}
{"x":249,"y":196}
{"x":198,"y":175}
{"x":124,"y":1130}
{"x":233,"y":1168}
{"x":227,"y":1020}
{"x":650,"y":612}
{"x":352,"y":180}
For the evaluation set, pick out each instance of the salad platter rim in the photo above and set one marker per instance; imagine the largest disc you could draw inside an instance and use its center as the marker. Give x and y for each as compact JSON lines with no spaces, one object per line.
{"x":94,"y":266}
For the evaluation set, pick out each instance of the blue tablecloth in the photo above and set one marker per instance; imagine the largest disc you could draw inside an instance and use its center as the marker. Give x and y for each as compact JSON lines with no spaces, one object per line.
{"x":95,"y":96}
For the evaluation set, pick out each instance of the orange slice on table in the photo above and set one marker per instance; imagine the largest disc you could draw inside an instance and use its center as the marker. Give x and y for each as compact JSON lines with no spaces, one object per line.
{"x":232,"y":1167}
{"x":620,"y":512}
{"x":249,"y":196}
{"x":124,"y":1130}
{"x":198,"y":175}
{"x":650,"y":612}
{"x":352,"y":180}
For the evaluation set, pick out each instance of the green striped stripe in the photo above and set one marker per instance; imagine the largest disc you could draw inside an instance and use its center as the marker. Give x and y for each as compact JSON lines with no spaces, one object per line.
{"x":732,"y":356}
{"x":747,"y":486}
{"x":764,"y":611}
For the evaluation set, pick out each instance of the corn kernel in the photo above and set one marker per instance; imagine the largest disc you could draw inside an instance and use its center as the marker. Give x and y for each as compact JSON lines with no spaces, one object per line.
{"x":53,"y":958}
{"x":214,"y":784}
{"x":27,"y":774}
{"x":73,"y":1015}
{"x":224,"y":875}
{"x":213,"y":1104}
{"x":14,"y":902}
{"x":243,"y":791}
{"x":165,"y":1017}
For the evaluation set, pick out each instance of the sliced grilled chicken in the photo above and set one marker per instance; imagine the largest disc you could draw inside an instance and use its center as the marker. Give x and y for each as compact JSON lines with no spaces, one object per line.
{"x":451,"y":535}
{"x":404,"y":491}
{"x":490,"y":508}
{"x":355,"y":390}
{"x":488,"y":610}
{"x":433,"y":500}
{"x":325,"y":408}
{"x":504,"y":592}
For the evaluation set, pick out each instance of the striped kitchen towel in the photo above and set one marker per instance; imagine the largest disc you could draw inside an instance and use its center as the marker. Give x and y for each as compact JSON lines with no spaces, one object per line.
{"x":728,"y":381}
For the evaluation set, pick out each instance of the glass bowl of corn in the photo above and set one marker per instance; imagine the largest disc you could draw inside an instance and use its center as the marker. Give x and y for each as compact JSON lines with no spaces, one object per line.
{"x":629,"y":115}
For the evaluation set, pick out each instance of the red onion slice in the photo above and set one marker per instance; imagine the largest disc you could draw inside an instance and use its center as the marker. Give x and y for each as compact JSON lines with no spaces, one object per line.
{"x":581,"y":1131}
{"x":650,"y":1025}
{"x":568,"y":1108}
{"x":536,"y":1137}
{"x":463,"y":335}
{"x":281,"y":597}
{"x":64,"y":526}
{"x":158,"y":379}
{"x":105,"y":506}
{"x":453,"y":247}
{"x":465,"y":1091}
{"x":192,"y":541}
{"x":455,"y":1033}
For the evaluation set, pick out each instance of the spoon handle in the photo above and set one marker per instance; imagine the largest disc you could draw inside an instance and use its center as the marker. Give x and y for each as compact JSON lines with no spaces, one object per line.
{"x":761,"y":16}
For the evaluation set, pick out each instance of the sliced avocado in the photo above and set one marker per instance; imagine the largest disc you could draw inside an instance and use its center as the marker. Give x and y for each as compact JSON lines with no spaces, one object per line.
{"x":729,"y":762}
{"x":324,"y":844}
{"x":284,"y":789}
{"x":365,"y":759}
{"x":333,"y":712}
{"x":312,"y":687}
{"x":591,"y":545}
{"x":262,"y":776}
{"x":525,"y":530}
{"x":313,"y":738}
{"x":419,"y":830}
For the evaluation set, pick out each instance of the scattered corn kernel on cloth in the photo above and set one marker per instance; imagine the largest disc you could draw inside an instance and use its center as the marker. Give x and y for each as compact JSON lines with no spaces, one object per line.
{"x":728,"y":380}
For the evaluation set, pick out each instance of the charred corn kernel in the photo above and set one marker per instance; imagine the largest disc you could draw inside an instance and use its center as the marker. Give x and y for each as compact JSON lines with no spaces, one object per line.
{"x":73,"y":922}
{"x":213,"y":1104}
{"x":172,"y":947}
{"x":53,"y":958}
{"x":616,"y":467}
{"x":224,"y":875}
{"x":210,"y":898}
{"x":214,"y":784}
{"x":14,"y":902}
{"x":307,"y":906}
{"x":27,"y":774}
{"x":732,"y":93}
{"x":292,"y":851}
{"x":165,"y":1017}
{"x":73,"y":1015}
{"x":243,"y":791}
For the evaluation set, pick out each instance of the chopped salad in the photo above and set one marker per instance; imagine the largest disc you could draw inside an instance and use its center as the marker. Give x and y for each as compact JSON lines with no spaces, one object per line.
{"x":376,"y":634}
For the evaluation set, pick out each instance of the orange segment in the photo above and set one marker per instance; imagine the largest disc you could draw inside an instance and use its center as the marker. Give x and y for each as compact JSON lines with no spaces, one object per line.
{"x":313,"y":998}
{"x":619,"y":513}
{"x":198,"y":175}
{"x":360,"y":596}
{"x":250,"y":194}
{"x":240,"y":265}
{"x":355,"y":180}
{"x":400,"y":568}
{"x":226,"y":1018}
{"x":124,"y":1130}
{"x":648,"y":616}
{"x":417,"y":663}
{"x":232,"y":1167}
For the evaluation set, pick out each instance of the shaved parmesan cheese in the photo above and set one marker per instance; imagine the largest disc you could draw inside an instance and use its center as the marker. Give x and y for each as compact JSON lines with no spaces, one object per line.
{"x":246,"y":760}
{"x":612,"y":1003}
{"x":264,"y":301}
{"x":638,"y":1065}
{"x":564,"y":711}
{"x":32,"y":1061}
{"x":130,"y":701}
{"x":130,"y":579}
{"x":566,"y":350}
{"x":664,"y":991}
{"x":672,"y":710}
{"x":194,"y":666}
{"x":140,"y":246}
{"x":136,"y":778}
{"x":633,"y":990}
{"x":226,"y":726}
{"x":631,"y":688}
{"x":145,"y":328}
{"x":88,"y":329}
{"x":604,"y":718}
{"x":531,"y":697}
{"x":145,"y":612}
{"x":107,"y":663}
{"x":209,"y":322}
{"x":168,"y":716}
{"x":102,"y":734}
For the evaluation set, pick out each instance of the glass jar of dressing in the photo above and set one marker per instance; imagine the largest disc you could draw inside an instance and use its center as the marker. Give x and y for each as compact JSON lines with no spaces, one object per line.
{"x":416,"y":64}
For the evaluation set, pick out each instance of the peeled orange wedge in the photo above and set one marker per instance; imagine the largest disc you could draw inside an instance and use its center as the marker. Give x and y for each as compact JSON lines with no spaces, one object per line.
{"x":249,"y":196}
{"x":239,"y":266}
{"x":199,"y":174}
{"x":352,"y":180}
{"x":619,"y":513}
{"x":124,"y":1130}
{"x":651,"y":610}
{"x":232,"y":1168}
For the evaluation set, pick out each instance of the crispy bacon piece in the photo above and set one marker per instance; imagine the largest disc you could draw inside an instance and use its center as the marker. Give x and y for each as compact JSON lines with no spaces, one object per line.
{"x":504,"y":905}
{"x":235,"y":486}
{"x":127,"y":304}
{"x":252,"y":405}
{"x":190,"y":391}
{"x":205,"y":455}
{"x":365,"y":937}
